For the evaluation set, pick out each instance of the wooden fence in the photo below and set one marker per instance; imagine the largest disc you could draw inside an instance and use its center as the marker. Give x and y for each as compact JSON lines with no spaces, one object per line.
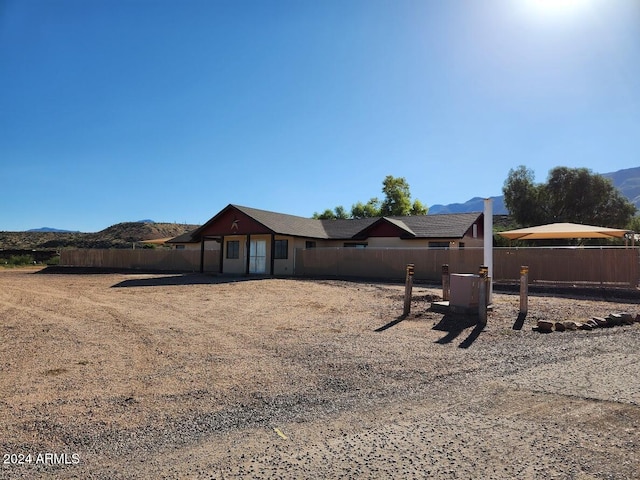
{"x":599,"y":266}
{"x":141,"y":259}
{"x":587,"y":266}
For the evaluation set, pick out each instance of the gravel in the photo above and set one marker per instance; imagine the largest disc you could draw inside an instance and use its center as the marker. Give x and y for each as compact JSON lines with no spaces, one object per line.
{"x":195,"y":376}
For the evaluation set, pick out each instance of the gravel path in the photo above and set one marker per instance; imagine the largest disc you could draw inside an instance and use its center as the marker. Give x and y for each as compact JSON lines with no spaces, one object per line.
{"x":166,"y":376}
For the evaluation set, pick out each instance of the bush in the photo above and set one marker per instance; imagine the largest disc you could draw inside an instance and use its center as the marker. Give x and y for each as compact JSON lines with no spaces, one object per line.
{"x":16,"y":260}
{"x":54,"y":260}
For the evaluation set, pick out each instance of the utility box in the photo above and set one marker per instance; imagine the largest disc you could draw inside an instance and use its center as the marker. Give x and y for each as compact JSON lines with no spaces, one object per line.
{"x":464,"y":293}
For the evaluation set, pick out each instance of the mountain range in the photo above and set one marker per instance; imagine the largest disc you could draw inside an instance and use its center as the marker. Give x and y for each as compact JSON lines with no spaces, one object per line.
{"x":627,"y":181}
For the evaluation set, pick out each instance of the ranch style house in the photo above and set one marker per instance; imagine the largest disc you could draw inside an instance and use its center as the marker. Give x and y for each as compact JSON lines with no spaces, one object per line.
{"x":253,"y":241}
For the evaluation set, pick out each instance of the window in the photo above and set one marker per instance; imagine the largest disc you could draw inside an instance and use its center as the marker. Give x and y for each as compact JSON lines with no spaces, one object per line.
{"x":355,"y":245}
{"x":309,"y":244}
{"x":281,"y":249}
{"x":438,"y":244}
{"x":233,"y":249}
{"x":179,"y":247}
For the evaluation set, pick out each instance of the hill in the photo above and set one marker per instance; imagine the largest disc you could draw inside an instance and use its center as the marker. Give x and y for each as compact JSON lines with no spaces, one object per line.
{"x":121,"y":235}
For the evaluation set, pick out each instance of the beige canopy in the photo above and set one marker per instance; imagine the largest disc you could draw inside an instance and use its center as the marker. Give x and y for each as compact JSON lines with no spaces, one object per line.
{"x":563,"y":230}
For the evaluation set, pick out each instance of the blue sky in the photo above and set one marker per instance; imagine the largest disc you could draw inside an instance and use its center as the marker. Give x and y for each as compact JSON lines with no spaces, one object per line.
{"x":116,"y":110}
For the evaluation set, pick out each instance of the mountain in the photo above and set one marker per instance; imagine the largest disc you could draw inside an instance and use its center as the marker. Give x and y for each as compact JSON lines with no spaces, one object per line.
{"x":476,"y":204}
{"x":121,"y":235}
{"x":627,"y":181}
{"x":49,"y":229}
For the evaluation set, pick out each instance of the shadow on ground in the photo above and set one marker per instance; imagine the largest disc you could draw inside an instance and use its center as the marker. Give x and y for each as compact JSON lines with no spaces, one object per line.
{"x":183,"y":279}
{"x":454,"y":325}
{"x":391,"y":324}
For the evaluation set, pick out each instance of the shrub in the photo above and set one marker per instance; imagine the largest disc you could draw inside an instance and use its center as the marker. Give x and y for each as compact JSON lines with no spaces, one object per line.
{"x":16,"y":260}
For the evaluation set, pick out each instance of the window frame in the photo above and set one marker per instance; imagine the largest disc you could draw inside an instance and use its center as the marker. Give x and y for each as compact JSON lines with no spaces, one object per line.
{"x":233,"y":249}
{"x":281,"y":249}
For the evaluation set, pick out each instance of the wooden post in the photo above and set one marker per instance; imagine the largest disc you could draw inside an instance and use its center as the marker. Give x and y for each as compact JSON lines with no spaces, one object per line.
{"x":482,"y":295}
{"x":408,"y":287}
{"x":524,"y":289}
{"x":446,"y":282}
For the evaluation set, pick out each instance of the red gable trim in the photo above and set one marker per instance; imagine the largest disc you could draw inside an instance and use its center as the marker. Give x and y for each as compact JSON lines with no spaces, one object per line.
{"x":232,"y":221}
{"x":383,"y":228}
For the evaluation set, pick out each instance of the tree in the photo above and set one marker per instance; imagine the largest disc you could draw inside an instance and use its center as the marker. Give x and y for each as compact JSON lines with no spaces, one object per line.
{"x":397,"y":201}
{"x":338,"y":212}
{"x":366,"y":210}
{"x":574,"y":195}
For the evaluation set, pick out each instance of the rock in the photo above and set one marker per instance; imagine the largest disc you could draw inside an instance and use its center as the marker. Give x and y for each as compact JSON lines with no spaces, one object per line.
{"x":627,"y":318}
{"x":585,"y":326}
{"x":545,"y":326}
{"x":559,"y":327}
{"x":570,"y":325}
{"x":592,"y":323}
{"x":614,"y":320}
{"x":637,"y":319}
{"x":602,"y":322}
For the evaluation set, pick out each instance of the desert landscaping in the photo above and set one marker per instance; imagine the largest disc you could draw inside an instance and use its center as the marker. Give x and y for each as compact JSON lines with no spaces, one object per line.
{"x":116,"y":376}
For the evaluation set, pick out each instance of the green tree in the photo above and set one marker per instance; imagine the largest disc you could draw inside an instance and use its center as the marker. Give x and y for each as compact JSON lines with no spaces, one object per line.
{"x":366,"y":210}
{"x":397,"y":197}
{"x":397,"y":201}
{"x":573,"y":195}
{"x":337,"y":213}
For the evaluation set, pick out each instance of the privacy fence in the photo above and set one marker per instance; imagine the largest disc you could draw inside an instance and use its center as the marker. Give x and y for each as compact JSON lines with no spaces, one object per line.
{"x":142,"y":259}
{"x":597,"y":266}
{"x":586,"y":266}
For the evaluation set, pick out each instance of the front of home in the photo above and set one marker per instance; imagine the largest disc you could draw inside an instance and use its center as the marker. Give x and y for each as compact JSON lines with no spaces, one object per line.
{"x":254,"y":241}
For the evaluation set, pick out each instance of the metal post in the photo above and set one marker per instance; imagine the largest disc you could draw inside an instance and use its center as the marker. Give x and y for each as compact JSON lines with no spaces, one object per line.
{"x":524,"y":289}
{"x":408,"y":286}
{"x":482,"y":295}
{"x":446,"y":282}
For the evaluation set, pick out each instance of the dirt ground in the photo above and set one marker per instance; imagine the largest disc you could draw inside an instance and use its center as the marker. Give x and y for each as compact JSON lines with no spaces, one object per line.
{"x":111,"y":376}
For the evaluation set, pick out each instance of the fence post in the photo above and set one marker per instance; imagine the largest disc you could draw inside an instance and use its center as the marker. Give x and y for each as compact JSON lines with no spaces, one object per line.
{"x":524,"y":289}
{"x":482,"y":295}
{"x":408,"y":287}
{"x":446,"y":282}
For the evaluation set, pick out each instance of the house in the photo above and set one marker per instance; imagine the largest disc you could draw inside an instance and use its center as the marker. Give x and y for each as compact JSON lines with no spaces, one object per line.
{"x":254,"y":241}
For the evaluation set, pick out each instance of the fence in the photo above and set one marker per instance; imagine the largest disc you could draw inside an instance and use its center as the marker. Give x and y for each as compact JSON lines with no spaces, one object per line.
{"x":601,"y":266}
{"x":141,"y":259}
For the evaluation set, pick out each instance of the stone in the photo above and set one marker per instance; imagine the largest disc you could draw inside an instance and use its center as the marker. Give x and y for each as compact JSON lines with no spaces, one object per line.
{"x":545,"y":326}
{"x":559,"y":326}
{"x":627,"y":318}
{"x":602,"y":322}
{"x":570,"y":325}
{"x":592,"y":323}
{"x":614,"y":320}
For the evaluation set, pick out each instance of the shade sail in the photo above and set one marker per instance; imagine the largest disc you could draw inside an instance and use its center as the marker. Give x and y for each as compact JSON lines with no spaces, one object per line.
{"x":563,"y":230}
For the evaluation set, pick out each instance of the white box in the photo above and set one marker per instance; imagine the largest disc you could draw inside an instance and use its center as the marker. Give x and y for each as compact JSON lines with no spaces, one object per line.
{"x":464,"y":290}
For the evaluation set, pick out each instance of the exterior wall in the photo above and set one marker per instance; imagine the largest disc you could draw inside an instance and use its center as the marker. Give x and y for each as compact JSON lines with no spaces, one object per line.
{"x":235,"y":265}
{"x":285,"y":266}
{"x":396,"y":242}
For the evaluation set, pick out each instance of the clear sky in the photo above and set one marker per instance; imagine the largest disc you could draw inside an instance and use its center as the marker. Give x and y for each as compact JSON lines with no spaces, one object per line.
{"x":114,"y":110}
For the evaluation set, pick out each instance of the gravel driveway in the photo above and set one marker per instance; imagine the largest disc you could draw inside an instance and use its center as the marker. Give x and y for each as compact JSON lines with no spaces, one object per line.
{"x":112,"y":376}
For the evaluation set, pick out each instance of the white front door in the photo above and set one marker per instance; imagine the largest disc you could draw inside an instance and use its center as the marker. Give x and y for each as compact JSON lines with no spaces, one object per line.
{"x":258,"y":256}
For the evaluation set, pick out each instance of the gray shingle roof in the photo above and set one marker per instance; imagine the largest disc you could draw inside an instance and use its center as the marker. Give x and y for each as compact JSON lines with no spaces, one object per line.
{"x":446,"y":225}
{"x":453,"y":225}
